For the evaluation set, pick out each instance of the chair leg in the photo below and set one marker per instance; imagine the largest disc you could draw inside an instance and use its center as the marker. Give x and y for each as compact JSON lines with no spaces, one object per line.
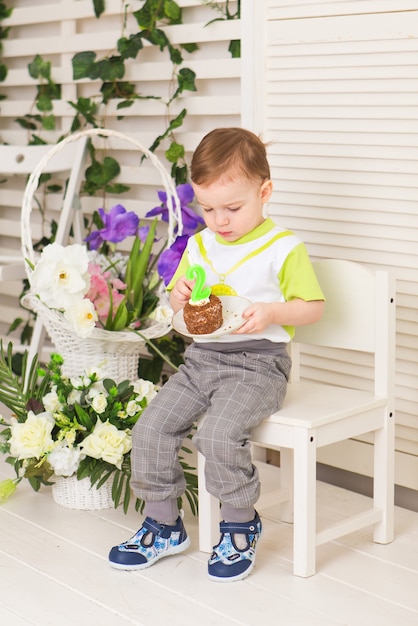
{"x":304,"y":530}
{"x":384,"y":479}
{"x":208,"y":511}
{"x":286,"y":483}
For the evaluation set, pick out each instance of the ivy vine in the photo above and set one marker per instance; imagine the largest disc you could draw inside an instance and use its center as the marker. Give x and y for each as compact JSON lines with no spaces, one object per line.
{"x":110,"y":71}
{"x":4,"y":32}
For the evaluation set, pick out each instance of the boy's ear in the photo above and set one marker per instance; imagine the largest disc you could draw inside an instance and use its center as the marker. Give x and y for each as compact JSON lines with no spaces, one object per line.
{"x":266,"y":190}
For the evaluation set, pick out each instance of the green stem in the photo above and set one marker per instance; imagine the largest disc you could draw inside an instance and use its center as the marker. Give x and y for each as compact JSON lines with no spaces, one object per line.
{"x":154,"y":347}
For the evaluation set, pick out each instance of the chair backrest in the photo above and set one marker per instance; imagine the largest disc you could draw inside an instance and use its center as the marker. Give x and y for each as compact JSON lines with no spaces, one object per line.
{"x":359,"y":315}
{"x":71,"y":158}
{"x":22,"y":160}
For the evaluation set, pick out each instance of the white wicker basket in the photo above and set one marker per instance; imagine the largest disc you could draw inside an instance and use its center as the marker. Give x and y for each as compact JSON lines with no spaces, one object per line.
{"x":79,"y":494}
{"x":115,"y":352}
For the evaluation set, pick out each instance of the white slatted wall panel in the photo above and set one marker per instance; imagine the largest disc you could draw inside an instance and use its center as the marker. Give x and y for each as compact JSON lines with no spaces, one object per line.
{"x":338,"y":99}
{"x":59,"y":29}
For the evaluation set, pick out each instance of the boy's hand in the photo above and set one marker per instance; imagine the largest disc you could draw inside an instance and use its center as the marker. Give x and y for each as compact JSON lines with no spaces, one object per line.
{"x":258,"y":316}
{"x":180,"y":294}
{"x":296,"y":312}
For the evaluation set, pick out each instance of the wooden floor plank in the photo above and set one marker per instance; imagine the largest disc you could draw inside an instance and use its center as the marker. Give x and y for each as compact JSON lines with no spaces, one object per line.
{"x":52,"y":558}
{"x":13,"y":618}
{"x":41,"y":599}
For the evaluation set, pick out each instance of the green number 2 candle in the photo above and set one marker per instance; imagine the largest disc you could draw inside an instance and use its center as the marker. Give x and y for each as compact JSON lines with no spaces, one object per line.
{"x":200,"y":292}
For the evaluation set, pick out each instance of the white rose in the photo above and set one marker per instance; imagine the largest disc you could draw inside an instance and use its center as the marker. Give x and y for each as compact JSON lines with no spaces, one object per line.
{"x":162,"y":313}
{"x":82,"y":316}
{"x":77,"y":382}
{"x":61,"y":275}
{"x":99,"y":403}
{"x":32,"y":438}
{"x":51,"y":402}
{"x":96,"y":389}
{"x":74,"y":397}
{"x":132,"y":408}
{"x":96,"y":371}
{"x":64,"y":460}
{"x":145,"y":389}
{"x":108,"y":443}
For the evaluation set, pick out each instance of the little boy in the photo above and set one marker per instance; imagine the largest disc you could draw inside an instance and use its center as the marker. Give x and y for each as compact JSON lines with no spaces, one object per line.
{"x":238,"y":379}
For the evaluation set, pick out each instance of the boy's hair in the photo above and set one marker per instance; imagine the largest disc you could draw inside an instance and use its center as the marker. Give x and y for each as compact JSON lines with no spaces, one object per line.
{"x":228,"y":153}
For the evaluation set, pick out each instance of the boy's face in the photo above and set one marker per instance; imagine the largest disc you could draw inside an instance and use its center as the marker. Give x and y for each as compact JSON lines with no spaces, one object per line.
{"x":233,"y":208}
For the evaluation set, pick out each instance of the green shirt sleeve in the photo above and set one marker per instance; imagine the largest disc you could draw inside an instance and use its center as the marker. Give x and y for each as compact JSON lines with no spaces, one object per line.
{"x":297,"y":277}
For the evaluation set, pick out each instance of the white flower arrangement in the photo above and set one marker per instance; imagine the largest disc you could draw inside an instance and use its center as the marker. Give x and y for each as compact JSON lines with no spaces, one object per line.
{"x":87,"y":288}
{"x":80,"y":425}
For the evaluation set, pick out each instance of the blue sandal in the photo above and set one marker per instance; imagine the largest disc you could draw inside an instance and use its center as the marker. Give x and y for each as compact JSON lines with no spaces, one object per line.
{"x":152,"y":542}
{"x":229,"y":562}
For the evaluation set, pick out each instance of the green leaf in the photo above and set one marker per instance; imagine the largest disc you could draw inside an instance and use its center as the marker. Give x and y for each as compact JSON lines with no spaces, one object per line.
{"x":4,"y":11}
{"x":99,"y":7}
{"x":175,"y":55}
{"x":13,"y":392}
{"x":48,"y":122}
{"x":117,"y":89}
{"x":125,"y":104}
{"x":117,"y":486}
{"x":15,"y":324}
{"x":172,"y":11}
{"x":186,"y":79}
{"x":148,"y":15}
{"x":100,"y":174}
{"x":235,"y":48}
{"x":175,"y":152}
{"x":26,"y":122}
{"x":3,"y":72}
{"x":83,"y":417}
{"x":121,"y":319}
{"x":140,"y":264}
{"x":83,"y":64}
{"x":110,"y":69}
{"x":177,"y":121}
{"x":40,"y":68}
{"x":85,"y":106}
{"x":158,"y":38}
{"x":44,"y":103}
{"x":127,"y":497}
{"x":116,"y":188}
{"x":190,"y":47}
{"x":128,"y":48}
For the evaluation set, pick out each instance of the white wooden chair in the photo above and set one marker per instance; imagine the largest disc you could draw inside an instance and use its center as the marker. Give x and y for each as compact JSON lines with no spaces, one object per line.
{"x":68,"y":163}
{"x":359,"y":316}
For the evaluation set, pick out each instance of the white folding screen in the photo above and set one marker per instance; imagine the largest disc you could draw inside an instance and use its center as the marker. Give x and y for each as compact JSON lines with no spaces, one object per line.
{"x":333,"y":88}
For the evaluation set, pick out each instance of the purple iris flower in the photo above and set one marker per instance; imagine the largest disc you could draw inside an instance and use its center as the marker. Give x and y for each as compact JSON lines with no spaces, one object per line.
{"x":118,"y":224}
{"x":191,"y":219}
{"x":143,"y":233}
{"x":170,"y":258}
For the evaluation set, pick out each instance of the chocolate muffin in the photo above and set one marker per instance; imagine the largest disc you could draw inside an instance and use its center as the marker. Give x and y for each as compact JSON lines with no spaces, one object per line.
{"x":204,"y":317}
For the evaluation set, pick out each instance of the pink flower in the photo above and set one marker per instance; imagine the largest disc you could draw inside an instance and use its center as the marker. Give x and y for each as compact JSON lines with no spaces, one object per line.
{"x":100,"y":284}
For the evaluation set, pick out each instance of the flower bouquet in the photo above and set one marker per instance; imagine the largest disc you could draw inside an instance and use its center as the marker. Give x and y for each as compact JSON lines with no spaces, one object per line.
{"x":73,"y":427}
{"x":101,"y":305}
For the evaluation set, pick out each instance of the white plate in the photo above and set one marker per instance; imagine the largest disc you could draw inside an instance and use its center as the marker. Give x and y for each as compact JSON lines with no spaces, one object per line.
{"x":232,"y":308}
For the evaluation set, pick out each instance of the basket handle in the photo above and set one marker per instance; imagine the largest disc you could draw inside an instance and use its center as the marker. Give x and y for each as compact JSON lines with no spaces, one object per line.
{"x":173,"y":202}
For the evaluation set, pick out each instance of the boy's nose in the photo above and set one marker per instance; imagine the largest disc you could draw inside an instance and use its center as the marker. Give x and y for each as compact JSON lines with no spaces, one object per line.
{"x":221,"y":219}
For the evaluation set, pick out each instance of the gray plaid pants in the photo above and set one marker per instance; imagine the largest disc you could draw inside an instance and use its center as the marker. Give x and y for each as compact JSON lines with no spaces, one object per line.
{"x":236,"y":390}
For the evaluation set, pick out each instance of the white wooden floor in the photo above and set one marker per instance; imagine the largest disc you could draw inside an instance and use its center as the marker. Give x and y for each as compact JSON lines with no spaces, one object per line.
{"x":54,"y":571}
